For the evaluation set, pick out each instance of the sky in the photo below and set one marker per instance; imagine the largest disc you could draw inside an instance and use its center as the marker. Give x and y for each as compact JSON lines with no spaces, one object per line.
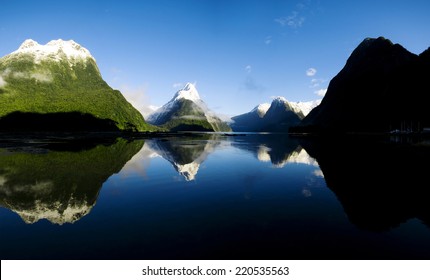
{"x":239,"y":53}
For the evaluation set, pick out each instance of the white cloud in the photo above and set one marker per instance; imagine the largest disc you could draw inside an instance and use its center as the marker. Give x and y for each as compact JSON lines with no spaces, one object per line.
{"x":311,"y":72}
{"x":294,"y":20}
{"x":321,"y":92}
{"x":42,"y":77}
{"x":248,"y":68}
{"x":138,"y":98}
{"x":268,"y":40}
{"x":2,"y":82}
{"x":177,"y":85}
{"x":252,"y":85}
{"x":317,"y":82}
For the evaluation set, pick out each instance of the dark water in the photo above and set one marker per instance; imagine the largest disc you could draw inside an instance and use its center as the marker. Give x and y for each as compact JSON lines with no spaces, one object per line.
{"x":214,"y":197}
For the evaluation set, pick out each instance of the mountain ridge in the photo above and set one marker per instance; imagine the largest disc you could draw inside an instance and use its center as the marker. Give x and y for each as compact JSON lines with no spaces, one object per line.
{"x":277,"y":116}
{"x":383,"y":72}
{"x":61,"y":77}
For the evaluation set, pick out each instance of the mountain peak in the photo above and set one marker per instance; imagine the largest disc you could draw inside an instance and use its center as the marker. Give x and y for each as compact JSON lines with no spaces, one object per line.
{"x":27,"y":44}
{"x":189,"y":87}
{"x":261,"y":109}
{"x":54,"y":49}
{"x":279,"y":99}
{"x":188,"y":92}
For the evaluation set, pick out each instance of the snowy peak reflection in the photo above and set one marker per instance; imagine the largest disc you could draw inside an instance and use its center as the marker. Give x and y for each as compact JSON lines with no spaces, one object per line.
{"x":299,"y":156}
{"x":186,"y":154}
{"x":59,"y":183}
{"x":279,"y":149}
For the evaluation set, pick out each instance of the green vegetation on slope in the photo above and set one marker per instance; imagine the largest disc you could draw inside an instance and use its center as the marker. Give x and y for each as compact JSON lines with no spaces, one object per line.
{"x":57,"y":86}
{"x":189,"y":117}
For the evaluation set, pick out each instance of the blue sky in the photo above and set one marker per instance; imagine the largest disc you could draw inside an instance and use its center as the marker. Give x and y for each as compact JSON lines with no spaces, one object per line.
{"x":239,"y":53}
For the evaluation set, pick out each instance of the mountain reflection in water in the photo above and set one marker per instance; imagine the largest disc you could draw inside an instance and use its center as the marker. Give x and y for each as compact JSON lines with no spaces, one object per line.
{"x":214,"y":196}
{"x":55,"y":182}
{"x":381,"y":183}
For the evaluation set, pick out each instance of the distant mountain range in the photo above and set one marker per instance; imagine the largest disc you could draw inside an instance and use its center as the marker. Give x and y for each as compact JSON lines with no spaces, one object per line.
{"x":278,"y":116}
{"x":186,"y":111}
{"x":382,"y":88}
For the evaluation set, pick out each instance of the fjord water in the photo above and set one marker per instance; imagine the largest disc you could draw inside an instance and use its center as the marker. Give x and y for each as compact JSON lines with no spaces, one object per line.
{"x":213,"y":196}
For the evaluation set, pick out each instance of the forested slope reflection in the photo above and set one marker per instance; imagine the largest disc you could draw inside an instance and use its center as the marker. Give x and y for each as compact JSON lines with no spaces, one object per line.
{"x":58,"y":182}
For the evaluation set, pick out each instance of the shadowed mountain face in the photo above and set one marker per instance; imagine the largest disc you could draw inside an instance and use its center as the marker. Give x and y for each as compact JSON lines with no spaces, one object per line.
{"x":73,"y":121}
{"x":57,"y":182}
{"x":381,"y":88}
{"x":379,"y":184}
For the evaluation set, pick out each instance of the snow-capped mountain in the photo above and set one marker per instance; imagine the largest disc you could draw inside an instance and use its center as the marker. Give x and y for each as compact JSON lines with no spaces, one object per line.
{"x":187,"y":111}
{"x":61,"y":78}
{"x":56,"y":50}
{"x":277,"y":116}
{"x":305,"y":107}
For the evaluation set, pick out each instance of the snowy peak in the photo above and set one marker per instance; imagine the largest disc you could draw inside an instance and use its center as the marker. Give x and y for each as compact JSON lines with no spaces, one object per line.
{"x":55,"y":49}
{"x":188,"y":92}
{"x":297,"y":107}
{"x":280,"y":103}
{"x":186,"y":110}
{"x":279,"y":115}
{"x":261,"y":109}
{"x":305,"y":107}
{"x":279,"y":99}
{"x":28,"y":44}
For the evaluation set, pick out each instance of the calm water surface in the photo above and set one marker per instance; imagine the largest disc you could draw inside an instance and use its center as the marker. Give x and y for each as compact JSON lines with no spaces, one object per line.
{"x":214,"y":197}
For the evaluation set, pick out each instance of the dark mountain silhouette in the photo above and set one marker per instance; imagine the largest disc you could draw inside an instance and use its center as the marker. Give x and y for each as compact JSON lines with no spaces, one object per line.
{"x":381,"y":88}
{"x":72,"y":121}
{"x":379,"y":184}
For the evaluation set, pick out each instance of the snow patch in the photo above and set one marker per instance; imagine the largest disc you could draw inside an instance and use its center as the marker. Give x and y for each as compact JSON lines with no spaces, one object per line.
{"x":72,"y":213}
{"x":55,"y":50}
{"x":188,"y":171}
{"x":305,"y":107}
{"x":261,"y":109}
{"x":188,"y":92}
